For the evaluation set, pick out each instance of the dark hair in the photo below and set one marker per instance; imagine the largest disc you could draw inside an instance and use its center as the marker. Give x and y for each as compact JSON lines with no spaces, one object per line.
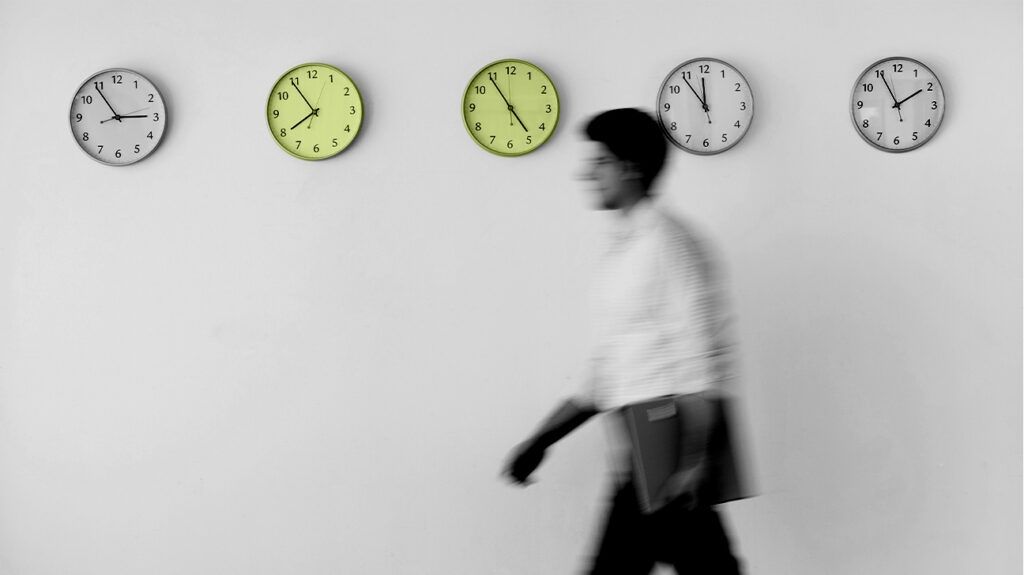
{"x":633,"y":136}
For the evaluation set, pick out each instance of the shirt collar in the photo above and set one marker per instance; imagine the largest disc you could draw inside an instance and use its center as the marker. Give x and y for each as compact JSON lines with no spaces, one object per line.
{"x":639,"y":220}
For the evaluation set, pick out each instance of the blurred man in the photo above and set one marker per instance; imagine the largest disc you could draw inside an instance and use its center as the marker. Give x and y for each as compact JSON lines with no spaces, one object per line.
{"x":661,"y":331}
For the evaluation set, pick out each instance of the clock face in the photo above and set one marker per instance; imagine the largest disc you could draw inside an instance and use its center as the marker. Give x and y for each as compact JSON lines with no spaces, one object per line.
{"x":897,"y":104}
{"x":314,"y":111}
{"x":705,"y":106}
{"x":118,"y":117}
{"x":510,"y":107}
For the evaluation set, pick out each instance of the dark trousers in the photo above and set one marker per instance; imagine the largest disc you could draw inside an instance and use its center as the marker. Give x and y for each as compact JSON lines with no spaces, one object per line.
{"x":694,"y":542}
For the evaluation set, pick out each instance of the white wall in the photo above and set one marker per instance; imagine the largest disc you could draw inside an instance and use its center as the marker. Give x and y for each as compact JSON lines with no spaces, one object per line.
{"x":227,"y":360}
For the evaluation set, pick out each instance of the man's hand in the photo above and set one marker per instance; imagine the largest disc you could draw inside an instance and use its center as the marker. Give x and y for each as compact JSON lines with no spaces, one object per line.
{"x":525,"y":458}
{"x":685,"y":486}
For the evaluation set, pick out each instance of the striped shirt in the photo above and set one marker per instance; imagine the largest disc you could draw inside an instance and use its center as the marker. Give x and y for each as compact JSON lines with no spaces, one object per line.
{"x":660,"y":320}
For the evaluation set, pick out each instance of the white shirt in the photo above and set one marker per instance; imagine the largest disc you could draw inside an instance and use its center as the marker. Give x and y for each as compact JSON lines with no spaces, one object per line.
{"x":660,"y":322}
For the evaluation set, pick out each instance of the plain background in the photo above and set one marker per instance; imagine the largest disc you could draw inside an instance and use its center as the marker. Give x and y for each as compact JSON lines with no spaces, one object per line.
{"x":227,"y":360}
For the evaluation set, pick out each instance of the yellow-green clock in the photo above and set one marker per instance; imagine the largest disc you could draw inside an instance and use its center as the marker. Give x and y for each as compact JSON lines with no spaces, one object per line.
{"x":314,"y":111}
{"x":510,"y":107}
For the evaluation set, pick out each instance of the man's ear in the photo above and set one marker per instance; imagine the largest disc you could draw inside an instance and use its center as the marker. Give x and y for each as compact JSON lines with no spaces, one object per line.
{"x":631,"y":170}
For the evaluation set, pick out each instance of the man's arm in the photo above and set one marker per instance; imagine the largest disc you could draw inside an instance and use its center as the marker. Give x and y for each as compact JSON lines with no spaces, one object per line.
{"x":527,"y":456}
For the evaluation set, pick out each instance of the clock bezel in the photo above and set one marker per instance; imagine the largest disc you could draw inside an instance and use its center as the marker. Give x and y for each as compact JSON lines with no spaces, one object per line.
{"x":853,"y":98}
{"x":359,"y":97}
{"x":163,"y":102}
{"x":554,"y":89}
{"x":665,"y":130}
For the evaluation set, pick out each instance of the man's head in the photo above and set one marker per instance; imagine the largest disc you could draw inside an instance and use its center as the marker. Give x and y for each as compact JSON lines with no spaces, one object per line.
{"x":628,"y":154}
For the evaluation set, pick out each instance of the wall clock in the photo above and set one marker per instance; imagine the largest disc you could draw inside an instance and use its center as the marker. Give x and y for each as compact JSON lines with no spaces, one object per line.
{"x":118,"y":117}
{"x":314,"y":111}
{"x":510,"y":107}
{"x":897,"y":104}
{"x":705,"y":106}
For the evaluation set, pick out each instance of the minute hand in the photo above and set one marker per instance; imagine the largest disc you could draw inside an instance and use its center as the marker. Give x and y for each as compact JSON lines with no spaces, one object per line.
{"x":511,"y":108}
{"x":898,"y":104}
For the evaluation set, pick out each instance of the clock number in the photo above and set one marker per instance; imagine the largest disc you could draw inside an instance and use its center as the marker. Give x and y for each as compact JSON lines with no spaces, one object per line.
{"x":283,"y":133}
{"x":297,"y":144}
{"x":491,"y":76}
{"x":477,"y":127}
{"x":293,"y":80}
{"x":116,"y":79}
{"x":150,"y":135}
{"x":704,"y":68}
{"x":743,"y":105}
{"x":282,"y":95}
{"x":78,"y":117}
{"x":529,"y":75}
{"x":878,"y":74}
{"x":928,"y":122}
{"x":276,"y":113}
{"x":724,"y":139}
{"x":914,"y":136}
{"x":347,"y":91}
{"x":311,"y":74}
{"x":687,"y":139}
{"x":868,"y":87}
{"x":915,"y":72}
{"x":667,"y":106}
{"x":472,"y":107}
{"x":543,"y":89}
{"x":137,"y":150}
{"x":737,"y":88}
{"x":687,"y":75}
{"x":737,"y":124}
{"x":930,"y":85}
{"x":529,"y":140}
{"x":331,"y":76}
{"x":879,"y":138}
{"x":98,"y":85}
{"x":896,"y":141}
{"x":673,"y":127}
{"x":100,"y":146}
{"x":316,"y":148}
{"x":117,"y":154}
{"x":723,"y":74}
{"x":935,"y":105}
{"x":85,"y":136}
{"x":865,"y":124}
{"x":481,"y":89}
{"x":492,"y":139}
{"x":509,"y":144}
{"x":334,"y":142}
{"x":548,"y":109}
{"x":674,"y":89}
{"x":510,"y":70}
{"x":541,"y":127}
{"x":156,"y":116}
{"x":860,"y":104}
{"x":87,"y":99}
{"x":348,"y":128}
{"x":706,"y":142}
{"x":351,"y":110}
{"x":150,"y":97}
{"x":136,"y":84}
{"x":897,"y":67}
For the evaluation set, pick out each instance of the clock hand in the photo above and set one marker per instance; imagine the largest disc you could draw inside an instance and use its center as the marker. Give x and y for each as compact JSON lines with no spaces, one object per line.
{"x":296,"y":86}
{"x":897,"y":106}
{"x":316,"y":111}
{"x":703,"y":91}
{"x":141,"y":116}
{"x":900,"y":103}
{"x":511,"y":108}
{"x":309,"y":115}
{"x":107,"y":102}
{"x":696,"y":95}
